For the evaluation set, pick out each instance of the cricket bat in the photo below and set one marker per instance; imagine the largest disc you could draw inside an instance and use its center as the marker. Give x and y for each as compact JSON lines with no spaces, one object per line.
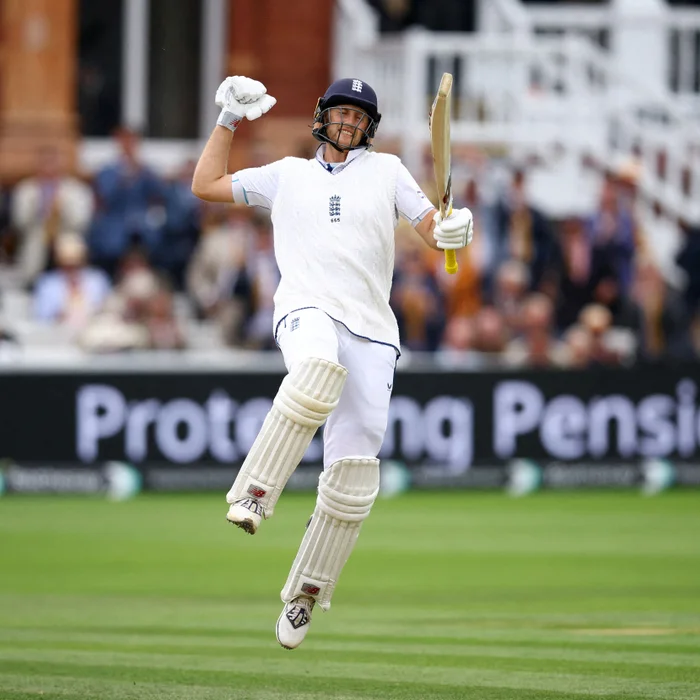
{"x":440,"y":146}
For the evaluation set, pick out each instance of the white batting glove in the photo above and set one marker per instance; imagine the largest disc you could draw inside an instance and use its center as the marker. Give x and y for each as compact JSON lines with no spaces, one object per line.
{"x":241,"y":97}
{"x":455,"y":231}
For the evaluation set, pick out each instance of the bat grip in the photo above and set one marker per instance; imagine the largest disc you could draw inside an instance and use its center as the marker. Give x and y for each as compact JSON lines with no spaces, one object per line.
{"x":451,"y":266}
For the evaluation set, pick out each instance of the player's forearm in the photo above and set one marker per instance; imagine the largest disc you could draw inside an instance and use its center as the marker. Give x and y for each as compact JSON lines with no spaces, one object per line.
{"x":425,"y":228}
{"x":210,"y":181}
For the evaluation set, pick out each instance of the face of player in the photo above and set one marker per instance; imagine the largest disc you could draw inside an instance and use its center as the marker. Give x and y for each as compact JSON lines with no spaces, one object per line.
{"x":347,"y":125}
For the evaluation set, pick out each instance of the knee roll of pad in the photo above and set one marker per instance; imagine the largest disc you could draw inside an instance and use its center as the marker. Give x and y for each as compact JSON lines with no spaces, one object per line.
{"x":306,"y":397}
{"x":301,"y":408}
{"x":348,"y":489}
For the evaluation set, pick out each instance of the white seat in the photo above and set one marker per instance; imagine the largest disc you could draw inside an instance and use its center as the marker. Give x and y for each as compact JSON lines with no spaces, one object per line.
{"x":16,"y":304}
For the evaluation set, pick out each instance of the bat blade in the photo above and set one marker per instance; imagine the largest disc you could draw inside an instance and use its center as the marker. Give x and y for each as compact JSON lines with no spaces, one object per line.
{"x":440,"y":145}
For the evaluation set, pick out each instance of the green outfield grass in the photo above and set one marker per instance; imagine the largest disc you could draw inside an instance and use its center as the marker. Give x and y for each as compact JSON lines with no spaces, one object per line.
{"x":475,"y":596}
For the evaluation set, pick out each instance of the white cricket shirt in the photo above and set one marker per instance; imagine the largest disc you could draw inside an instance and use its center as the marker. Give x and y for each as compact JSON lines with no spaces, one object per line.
{"x":334,"y":234}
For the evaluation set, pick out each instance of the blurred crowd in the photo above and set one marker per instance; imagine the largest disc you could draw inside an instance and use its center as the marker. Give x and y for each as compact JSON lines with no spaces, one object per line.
{"x":534,"y":292}
{"x":107,"y":258}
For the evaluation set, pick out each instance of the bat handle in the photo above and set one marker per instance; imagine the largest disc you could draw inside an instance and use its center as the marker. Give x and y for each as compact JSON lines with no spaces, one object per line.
{"x":451,"y":266}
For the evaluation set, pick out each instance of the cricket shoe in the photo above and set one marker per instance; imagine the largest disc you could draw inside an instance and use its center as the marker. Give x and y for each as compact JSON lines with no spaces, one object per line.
{"x":247,"y":514}
{"x":294,"y":622}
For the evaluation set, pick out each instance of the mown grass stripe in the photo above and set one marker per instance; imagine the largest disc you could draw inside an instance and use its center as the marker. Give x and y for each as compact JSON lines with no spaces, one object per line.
{"x":15,"y":686}
{"x":183,"y":666}
{"x":43,"y":686}
{"x":566,"y":596}
{"x":154,"y":608}
{"x":441,"y":654}
{"x":205,"y":617}
{"x":235,"y":660}
{"x":680,"y":639}
{"x":596,"y":646}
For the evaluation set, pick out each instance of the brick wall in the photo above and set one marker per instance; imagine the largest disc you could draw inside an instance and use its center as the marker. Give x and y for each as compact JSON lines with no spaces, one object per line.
{"x":286,"y":45}
{"x":37,"y":81}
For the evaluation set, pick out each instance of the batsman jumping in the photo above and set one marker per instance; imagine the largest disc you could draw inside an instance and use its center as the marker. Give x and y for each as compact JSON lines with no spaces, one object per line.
{"x":333,"y":219}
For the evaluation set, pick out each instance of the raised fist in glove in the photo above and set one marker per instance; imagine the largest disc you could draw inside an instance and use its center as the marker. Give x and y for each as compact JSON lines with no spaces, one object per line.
{"x":241,"y":97}
{"x":454,"y":231}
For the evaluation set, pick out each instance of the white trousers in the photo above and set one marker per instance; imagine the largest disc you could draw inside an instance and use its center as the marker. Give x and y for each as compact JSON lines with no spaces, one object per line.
{"x":357,"y":425}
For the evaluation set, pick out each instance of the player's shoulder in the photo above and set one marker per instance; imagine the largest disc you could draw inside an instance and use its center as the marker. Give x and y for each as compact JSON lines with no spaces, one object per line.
{"x":274,"y":168}
{"x":293,"y":163}
{"x":386,"y":162}
{"x":388,"y":158}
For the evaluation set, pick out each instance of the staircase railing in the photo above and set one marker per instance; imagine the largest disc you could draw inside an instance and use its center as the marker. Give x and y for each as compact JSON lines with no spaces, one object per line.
{"x":536,"y":91}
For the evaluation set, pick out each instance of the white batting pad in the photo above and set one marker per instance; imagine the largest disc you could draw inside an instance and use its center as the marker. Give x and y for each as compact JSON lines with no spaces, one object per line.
{"x":306,"y":397}
{"x":346,"y":493}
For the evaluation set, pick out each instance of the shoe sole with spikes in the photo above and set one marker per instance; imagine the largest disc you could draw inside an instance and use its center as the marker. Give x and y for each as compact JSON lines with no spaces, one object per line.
{"x":242,"y":514}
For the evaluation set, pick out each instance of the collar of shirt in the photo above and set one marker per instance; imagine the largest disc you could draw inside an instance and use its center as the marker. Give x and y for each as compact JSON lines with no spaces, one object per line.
{"x":335,"y":168}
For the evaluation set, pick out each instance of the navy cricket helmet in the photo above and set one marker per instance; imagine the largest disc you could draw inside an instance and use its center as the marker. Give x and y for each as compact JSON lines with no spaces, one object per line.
{"x":347,"y":91}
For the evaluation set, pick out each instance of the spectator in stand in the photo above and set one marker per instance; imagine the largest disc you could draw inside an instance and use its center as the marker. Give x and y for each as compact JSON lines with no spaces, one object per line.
{"x":394,"y":15}
{"x":626,"y":179}
{"x":463,"y":291}
{"x":132,"y":296}
{"x":578,"y":346}
{"x":444,"y":15}
{"x":597,"y":321}
{"x":612,"y":234}
{"x":458,"y":336}
{"x":523,"y":233}
{"x":434,"y":15}
{"x":44,"y":207}
{"x":217,"y":278}
{"x":625,"y":311}
{"x":72,"y":293}
{"x":122,"y":325}
{"x":131,"y":200}
{"x":491,"y":334}
{"x":512,"y":281}
{"x":417,"y":301}
{"x":183,"y":221}
{"x":483,"y":249}
{"x":134,"y":260}
{"x":688,"y":259}
{"x":7,"y":242}
{"x":537,"y":346}
{"x":664,"y":332}
{"x":264,"y":277}
{"x":472,"y":342}
{"x":164,"y":332}
{"x":581,"y":269}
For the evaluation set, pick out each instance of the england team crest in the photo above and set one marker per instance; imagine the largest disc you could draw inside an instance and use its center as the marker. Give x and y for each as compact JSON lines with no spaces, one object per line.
{"x":334,"y":209}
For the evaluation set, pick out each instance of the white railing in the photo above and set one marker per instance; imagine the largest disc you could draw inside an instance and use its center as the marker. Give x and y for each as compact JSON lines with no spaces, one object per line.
{"x":655,"y":129}
{"x":679,"y":28}
{"x":539,"y":80}
{"x":684,"y":25}
{"x":502,"y":16}
{"x":592,"y":21}
{"x":519,"y":88}
{"x":527,"y":93}
{"x":684,"y":40}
